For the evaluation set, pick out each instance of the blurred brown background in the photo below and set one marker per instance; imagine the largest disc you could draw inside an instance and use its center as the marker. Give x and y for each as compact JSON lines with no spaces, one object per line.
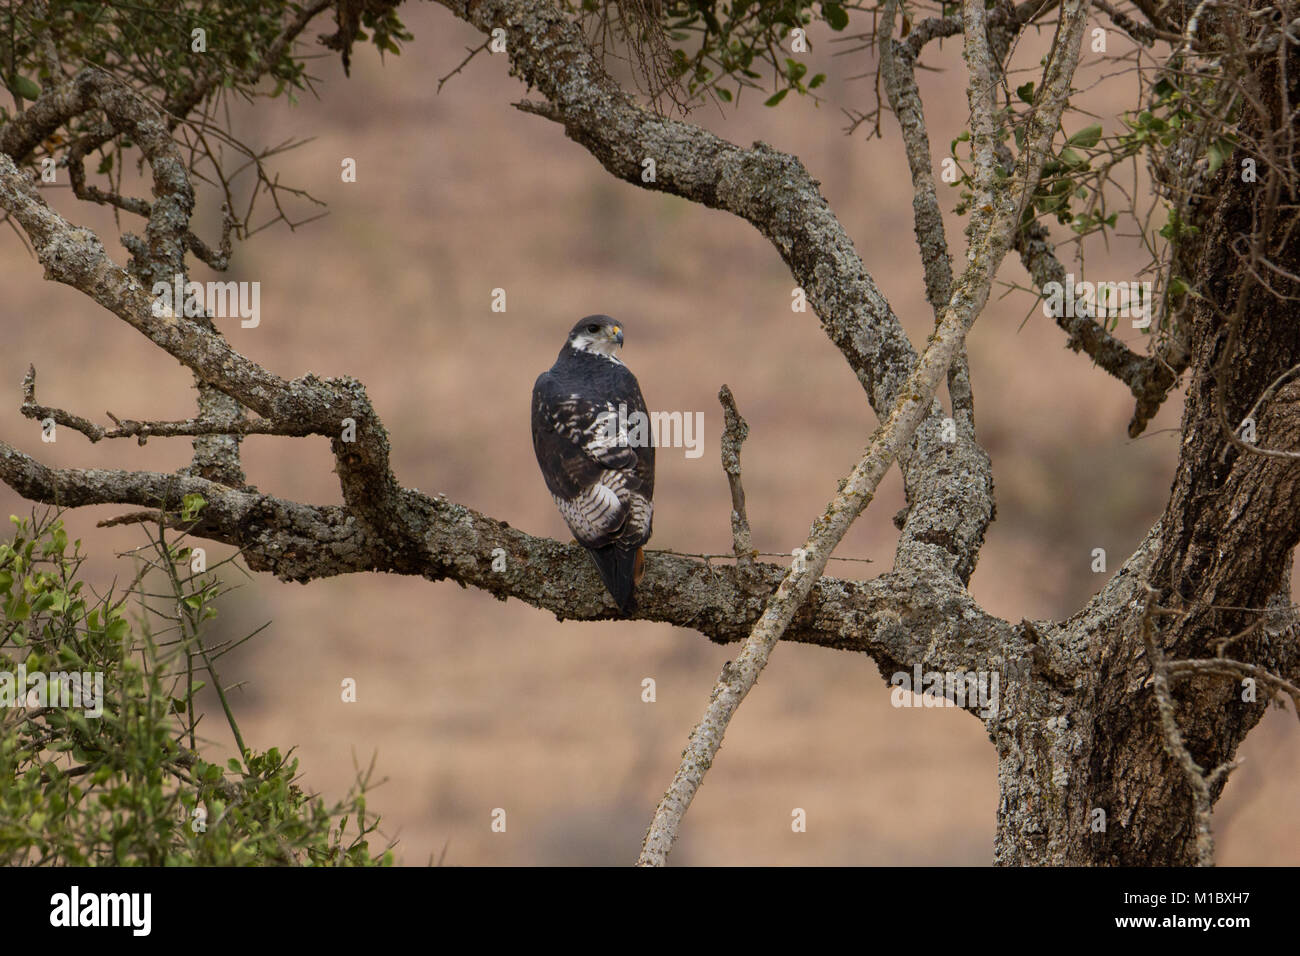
{"x":471,"y":704}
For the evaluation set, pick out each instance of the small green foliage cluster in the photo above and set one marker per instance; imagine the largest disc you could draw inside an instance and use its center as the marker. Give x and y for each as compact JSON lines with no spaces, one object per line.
{"x":1074,"y":183}
{"x":182,"y":54}
{"x":149,"y":42}
{"x":724,"y":47}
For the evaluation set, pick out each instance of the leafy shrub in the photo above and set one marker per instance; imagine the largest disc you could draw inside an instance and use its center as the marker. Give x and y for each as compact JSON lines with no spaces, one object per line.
{"x":130,"y":786}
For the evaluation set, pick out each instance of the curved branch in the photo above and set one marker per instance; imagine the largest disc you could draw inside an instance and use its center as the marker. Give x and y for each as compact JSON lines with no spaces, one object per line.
{"x":1149,"y":378}
{"x":307,"y":405}
{"x":949,"y":484}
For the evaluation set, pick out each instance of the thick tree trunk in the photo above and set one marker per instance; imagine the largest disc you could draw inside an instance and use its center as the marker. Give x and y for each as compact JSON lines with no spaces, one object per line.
{"x":1082,"y":734}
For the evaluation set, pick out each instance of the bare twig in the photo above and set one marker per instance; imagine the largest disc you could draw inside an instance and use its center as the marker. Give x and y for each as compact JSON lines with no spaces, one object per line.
{"x":733,"y":436}
{"x":143,"y":431}
{"x":50,"y":59}
{"x":472,"y":52}
{"x":1141,"y":32}
{"x":1197,"y":778}
{"x":1226,"y":667}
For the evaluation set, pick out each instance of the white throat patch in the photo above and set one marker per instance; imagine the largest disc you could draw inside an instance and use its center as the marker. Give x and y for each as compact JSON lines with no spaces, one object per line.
{"x":594,"y":346}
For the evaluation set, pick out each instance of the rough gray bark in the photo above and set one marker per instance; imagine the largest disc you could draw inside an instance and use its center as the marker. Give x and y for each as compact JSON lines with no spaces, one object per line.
{"x":1219,"y":561}
{"x":1078,"y":728}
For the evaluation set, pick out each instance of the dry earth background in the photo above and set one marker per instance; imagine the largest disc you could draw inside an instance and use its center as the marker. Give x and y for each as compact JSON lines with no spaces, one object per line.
{"x":471,"y":704}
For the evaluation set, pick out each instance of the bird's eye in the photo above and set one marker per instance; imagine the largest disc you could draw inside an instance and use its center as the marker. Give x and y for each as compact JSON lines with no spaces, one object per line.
{"x":593,"y":329}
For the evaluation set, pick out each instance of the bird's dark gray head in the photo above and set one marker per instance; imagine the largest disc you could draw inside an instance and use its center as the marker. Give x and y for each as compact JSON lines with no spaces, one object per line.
{"x":598,"y":334}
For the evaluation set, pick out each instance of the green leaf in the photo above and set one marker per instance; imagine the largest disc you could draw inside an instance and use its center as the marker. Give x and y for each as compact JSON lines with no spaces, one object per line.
{"x":1026,"y":92}
{"x":25,"y":87}
{"x":16,"y":609}
{"x":1216,"y":155}
{"x":835,"y":15}
{"x":1087,"y":137}
{"x":776,"y":97}
{"x":117,"y":629}
{"x":724,"y":95}
{"x":1071,"y":158}
{"x":817,"y":81}
{"x":191,"y":505}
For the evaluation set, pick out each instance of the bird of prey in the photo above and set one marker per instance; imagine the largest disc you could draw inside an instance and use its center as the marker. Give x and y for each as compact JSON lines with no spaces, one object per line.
{"x":602,"y":482}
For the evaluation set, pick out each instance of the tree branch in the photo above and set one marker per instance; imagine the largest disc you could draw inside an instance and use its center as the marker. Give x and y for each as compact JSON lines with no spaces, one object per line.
{"x":1226,"y":667}
{"x":1149,"y":378}
{"x":143,"y":431}
{"x":307,"y":405}
{"x":949,"y":484}
{"x":896,"y":618}
{"x":23,"y":134}
{"x":898,"y":68}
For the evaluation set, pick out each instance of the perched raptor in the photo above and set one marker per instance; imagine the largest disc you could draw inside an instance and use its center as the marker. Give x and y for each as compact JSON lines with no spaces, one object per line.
{"x":602,"y":483}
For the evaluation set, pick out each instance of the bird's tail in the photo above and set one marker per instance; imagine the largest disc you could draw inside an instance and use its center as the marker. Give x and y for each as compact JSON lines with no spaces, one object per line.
{"x":620,"y":569}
